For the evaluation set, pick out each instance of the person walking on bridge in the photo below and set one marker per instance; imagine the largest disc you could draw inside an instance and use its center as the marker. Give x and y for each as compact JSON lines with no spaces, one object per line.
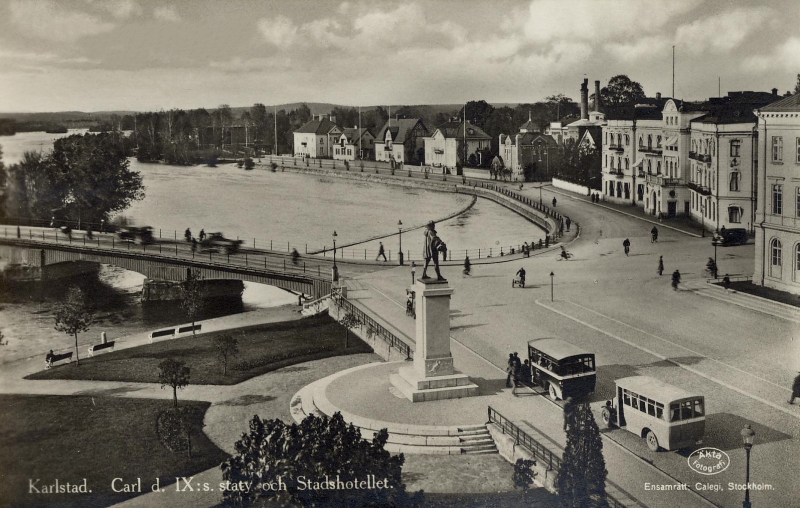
{"x":381,"y":252}
{"x":202,"y":234}
{"x":188,"y":235}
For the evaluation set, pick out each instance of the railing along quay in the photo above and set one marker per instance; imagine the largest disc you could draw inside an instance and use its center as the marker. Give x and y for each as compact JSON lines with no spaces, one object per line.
{"x":377,"y":328}
{"x":539,"y":451}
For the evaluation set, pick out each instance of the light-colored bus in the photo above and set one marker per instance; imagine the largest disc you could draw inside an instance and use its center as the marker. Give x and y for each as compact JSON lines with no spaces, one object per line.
{"x":666,"y":416}
{"x":563,"y":369}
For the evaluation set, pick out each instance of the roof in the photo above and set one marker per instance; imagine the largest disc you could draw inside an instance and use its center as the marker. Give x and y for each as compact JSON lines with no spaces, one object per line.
{"x":353,"y":135}
{"x":529,"y":126}
{"x":400,"y":129}
{"x":654,"y":388}
{"x":647,"y":108}
{"x":791,"y":103}
{"x":736,"y":107}
{"x":557,"y":348}
{"x":455,"y":129}
{"x":529,"y":137}
{"x":323,"y":126}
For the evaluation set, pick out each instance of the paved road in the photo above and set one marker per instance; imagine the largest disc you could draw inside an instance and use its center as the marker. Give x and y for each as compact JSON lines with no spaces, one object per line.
{"x":743,"y":361}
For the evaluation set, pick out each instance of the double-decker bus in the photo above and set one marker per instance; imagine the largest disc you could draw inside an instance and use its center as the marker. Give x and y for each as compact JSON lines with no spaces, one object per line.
{"x":564,"y":370}
{"x":666,"y":416}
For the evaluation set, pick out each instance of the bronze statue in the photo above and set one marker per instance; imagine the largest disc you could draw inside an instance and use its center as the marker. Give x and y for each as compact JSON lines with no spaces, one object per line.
{"x":432,"y":245}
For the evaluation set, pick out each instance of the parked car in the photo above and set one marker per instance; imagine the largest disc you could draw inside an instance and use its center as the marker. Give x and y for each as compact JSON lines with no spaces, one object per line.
{"x":142,"y":235}
{"x":733,"y":236}
{"x":216,"y":242}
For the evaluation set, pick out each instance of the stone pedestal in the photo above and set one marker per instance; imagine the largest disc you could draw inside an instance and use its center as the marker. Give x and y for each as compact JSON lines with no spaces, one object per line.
{"x":432,"y":376}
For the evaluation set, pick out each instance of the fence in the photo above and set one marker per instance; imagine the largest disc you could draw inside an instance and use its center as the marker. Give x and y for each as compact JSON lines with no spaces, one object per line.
{"x":540,"y":452}
{"x":372,"y":325}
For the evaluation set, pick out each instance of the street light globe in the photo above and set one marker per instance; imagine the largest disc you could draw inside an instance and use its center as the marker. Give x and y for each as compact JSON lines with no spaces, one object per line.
{"x":748,"y":436}
{"x":399,"y":223}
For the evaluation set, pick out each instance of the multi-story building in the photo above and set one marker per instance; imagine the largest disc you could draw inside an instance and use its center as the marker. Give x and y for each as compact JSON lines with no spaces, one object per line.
{"x":777,"y":214}
{"x":316,"y":139}
{"x":355,"y":144}
{"x":401,"y":141}
{"x":452,"y":141}
{"x":630,"y":139}
{"x":527,"y":148}
{"x":723,"y":164}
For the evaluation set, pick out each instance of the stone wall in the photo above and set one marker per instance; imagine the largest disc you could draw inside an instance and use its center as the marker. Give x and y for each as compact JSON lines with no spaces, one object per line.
{"x":512,"y":451}
{"x":571,"y":187}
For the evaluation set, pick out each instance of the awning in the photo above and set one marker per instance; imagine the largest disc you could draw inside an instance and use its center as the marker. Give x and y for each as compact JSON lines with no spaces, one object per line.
{"x":639,"y":164}
{"x":672,"y":141}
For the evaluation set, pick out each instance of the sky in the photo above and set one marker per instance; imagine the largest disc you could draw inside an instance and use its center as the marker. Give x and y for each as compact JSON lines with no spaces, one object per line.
{"x":102,"y":55}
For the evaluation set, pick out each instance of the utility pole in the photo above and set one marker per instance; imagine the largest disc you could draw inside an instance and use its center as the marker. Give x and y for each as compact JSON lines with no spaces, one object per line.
{"x":275,"y":118}
{"x":465,"y":134}
{"x":359,"y":133}
{"x":673,"y":72}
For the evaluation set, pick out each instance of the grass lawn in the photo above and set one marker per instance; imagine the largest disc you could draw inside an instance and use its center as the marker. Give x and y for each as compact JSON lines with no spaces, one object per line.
{"x":70,"y":439}
{"x":262,"y":349}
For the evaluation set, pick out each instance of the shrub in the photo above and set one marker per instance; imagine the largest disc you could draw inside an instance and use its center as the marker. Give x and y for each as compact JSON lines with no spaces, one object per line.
{"x":248,"y":163}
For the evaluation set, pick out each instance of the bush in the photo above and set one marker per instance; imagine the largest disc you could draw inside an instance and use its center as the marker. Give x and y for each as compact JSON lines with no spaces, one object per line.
{"x":273,"y":166}
{"x":248,"y":163}
{"x":175,"y":427}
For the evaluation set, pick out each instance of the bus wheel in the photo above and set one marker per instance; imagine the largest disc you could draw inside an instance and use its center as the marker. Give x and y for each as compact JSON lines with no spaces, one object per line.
{"x":652,"y":441}
{"x":553,"y":393}
{"x":605,"y":415}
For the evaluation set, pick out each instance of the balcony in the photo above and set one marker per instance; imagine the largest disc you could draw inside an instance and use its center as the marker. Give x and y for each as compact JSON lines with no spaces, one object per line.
{"x":651,"y":151}
{"x":693,"y":155}
{"x":700,"y":189}
{"x":616,"y":148}
{"x":704,"y":157}
{"x":662,"y":181}
{"x":616,"y":172}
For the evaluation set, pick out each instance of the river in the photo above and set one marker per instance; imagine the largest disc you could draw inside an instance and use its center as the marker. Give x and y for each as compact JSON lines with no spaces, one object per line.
{"x":286,"y":209}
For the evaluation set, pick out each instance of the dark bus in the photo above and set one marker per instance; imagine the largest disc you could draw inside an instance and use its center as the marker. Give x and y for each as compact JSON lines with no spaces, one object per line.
{"x":564,"y":370}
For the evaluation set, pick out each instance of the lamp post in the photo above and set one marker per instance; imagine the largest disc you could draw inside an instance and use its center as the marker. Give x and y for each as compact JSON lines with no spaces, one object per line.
{"x":714,"y":242}
{"x":552,"y":275}
{"x":335,"y":270}
{"x":748,"y":436}
{"x":703,"y":219}
{"x":400,"y":237}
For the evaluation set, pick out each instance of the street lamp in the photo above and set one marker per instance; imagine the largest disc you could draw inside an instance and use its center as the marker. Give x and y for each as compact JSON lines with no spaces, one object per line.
{"x":335,"y":274}
{"x":400,"y":236}
{"x":748,"y":436}
{"x":551,"y":285}
{"x":703,"y":219}
{"x":714,"y":242}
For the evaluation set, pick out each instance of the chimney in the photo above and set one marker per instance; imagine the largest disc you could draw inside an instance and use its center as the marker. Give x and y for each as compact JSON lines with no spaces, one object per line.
{"x":585,"y":99}
{"x":775,"y":92}
{"x":658,"y":95}
{"x":597,"y":95}
{"x":332,"y":118}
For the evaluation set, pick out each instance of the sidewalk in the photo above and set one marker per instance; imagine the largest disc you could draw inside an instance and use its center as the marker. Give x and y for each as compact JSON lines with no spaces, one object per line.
{"x":531,"y":411}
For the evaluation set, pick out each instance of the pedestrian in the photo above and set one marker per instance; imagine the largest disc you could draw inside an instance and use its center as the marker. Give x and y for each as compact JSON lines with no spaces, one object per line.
{"x":569,"y":223}
{"x":202,"y":234}
{"x":381,"y":252}
{"x":526,"y":372}
{"x":676,"y":279}
{"x":521,"y":275}
{"x":188,"y":235}
{"x":467,"y":266}
{"x":509,"y":369}
{"x":711,"y":267}
{"x":795,"y":388}
{"x":660,"y":265}
{"x":561,"y":228}
{"x":627,"y":245}
{"x":554,"y":202}
{"x":413,"y":272}
{"x":19,"y":233}
{"x":726,"y":282}
{"x":654,"y":235}
{"x":515,"y":369}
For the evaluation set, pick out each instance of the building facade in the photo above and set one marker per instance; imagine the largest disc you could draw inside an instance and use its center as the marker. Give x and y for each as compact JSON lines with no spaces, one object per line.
{"x":355,"y":144}
{"x":446,"y":146}
{"x":527,"y":148}
{"x":316,"y":139}
{"x":777,"y":260}
{"x":401,"y":141}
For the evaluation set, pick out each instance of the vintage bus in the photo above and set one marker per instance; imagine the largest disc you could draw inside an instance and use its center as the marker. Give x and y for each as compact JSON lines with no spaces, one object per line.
{"x":564,"y":370}
{"x":666,"y":416}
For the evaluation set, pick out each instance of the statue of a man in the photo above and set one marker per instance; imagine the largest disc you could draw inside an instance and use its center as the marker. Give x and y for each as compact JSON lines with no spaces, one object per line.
{"x":431,"y":250}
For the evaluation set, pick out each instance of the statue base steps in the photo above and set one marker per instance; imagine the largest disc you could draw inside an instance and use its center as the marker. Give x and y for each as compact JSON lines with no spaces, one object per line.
{"x":419,"y":389}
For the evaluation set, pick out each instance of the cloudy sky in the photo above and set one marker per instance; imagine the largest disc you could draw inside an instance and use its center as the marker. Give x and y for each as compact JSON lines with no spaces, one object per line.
{"x":95,"y":55}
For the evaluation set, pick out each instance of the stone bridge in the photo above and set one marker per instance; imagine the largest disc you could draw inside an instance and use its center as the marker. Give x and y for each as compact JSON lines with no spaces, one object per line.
{"x":35,"y":260}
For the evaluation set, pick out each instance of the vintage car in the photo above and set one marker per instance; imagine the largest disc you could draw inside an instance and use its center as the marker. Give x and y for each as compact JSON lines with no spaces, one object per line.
{"x":142,"y":235}
{"x":216,"y":242}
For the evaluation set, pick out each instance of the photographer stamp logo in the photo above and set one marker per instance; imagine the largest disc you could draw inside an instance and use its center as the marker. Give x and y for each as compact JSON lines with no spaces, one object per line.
{"x":709,"y":461}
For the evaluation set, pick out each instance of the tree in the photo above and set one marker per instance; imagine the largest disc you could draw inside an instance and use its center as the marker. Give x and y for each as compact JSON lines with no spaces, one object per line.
{"x":175,"y":374}
{"x":315,"y":448}
{"x":620,"y":90}
{"x":73,"y":316}
{"x":192,"y":295}
{"x":523,"y":476}
{"x":797,"y":85}
{"x":226,"y":346}
{"x":581,"y":480}
{"x":478,"y":113}
{"x":349,"y":321}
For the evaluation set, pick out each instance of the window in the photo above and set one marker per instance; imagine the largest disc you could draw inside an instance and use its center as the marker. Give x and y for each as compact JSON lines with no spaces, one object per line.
{"x":797,"y":152}
{"x":775,"y":252}
{"x":734,"y":181}
{"x":797,"y":257}
{"x":649,"y":142}
{"x":777,"y":199}
{"x":734,"y":214}
{"x":658,"y":142}
{"x":777,"y":149}
{"x":628,"y":142}
{"x":736,"y":145}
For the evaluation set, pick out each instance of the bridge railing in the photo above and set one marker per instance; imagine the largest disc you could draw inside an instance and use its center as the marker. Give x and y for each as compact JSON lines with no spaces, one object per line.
{"x":541,"y":453}
{"x":372,"y":325}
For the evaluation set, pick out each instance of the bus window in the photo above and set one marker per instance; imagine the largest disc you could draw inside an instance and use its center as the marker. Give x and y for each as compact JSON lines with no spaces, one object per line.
{"x":686,"y":410}
{"x":698,"y":408}
{"x":651,"y":408}
{"x":626,"y":397}
{"x":674,"y":412}
{"x":659,"y":411}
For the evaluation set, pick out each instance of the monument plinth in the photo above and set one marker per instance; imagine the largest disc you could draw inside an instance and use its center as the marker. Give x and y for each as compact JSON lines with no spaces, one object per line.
{"x":432,"y":376}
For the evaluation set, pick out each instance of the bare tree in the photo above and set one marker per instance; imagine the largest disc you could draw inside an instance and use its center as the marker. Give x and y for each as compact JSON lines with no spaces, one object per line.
{"x":226,"y":346}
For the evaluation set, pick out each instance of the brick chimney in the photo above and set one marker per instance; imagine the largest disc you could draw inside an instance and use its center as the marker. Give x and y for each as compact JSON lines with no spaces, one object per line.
{"x":775,"y":92}
{"x":597,"y":95}
{"x":585,"y":99}
{"x":658,"y":95}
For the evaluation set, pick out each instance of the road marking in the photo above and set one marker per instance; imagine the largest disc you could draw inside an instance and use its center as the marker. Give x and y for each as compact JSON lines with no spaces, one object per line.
{"x":666,"y":359}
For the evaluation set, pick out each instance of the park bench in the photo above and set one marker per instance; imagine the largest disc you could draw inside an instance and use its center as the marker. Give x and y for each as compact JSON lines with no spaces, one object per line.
{"x":190,"y":328}
{"x":58,"y":357}
{"x":161,"y":333}
{"x":99,"y":347}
